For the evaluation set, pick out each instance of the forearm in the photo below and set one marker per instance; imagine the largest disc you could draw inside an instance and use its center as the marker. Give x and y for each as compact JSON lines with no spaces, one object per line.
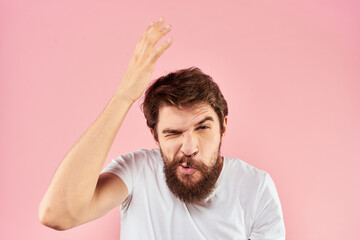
{"x":74,"y":182}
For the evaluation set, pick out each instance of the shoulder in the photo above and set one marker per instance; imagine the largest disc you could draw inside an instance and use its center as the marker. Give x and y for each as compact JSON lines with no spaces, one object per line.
{"x":139,"y":158}
{"x":140,"y":154}
{"x":135,"y":161}
{"x":130,"y":166}
{"x":244,"y":171}
{"x":249,"y":179}
{"x":245,"y":178}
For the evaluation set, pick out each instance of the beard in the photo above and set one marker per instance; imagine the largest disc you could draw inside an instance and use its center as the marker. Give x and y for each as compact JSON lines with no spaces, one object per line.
{"x":192,"y":188}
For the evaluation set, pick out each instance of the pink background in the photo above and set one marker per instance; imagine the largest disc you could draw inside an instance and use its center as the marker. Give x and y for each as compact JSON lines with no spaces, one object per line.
{"x":289,"y":70}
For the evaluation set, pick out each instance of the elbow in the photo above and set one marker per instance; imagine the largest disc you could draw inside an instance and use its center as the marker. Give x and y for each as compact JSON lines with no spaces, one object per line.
{"x":49,"y":218}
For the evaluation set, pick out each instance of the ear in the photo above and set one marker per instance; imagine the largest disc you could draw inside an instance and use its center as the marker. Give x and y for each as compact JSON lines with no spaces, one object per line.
{"x":152,"y":133}
{"x":224,"y":127}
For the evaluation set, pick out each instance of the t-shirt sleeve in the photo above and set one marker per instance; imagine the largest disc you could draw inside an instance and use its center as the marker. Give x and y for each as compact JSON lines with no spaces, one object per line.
{"x":127,"y":167}
{"x":268,"y":218}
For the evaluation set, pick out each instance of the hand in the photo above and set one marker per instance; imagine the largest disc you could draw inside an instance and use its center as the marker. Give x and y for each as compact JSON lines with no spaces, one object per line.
{"x":143,"y":60}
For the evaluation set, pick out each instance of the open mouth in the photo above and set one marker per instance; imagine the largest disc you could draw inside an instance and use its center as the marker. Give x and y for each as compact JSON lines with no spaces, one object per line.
{"x":186,"y":170}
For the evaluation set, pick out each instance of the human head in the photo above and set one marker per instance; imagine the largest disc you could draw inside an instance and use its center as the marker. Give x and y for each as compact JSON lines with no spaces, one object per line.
{"x":187,"y":115}
{"x":183,"y":88}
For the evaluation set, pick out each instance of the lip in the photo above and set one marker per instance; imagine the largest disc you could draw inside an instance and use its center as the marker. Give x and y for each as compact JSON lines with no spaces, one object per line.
{"x":187,"y":170}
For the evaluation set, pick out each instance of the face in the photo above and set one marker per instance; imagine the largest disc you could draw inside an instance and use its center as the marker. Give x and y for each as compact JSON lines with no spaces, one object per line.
{"x":189,"y":140}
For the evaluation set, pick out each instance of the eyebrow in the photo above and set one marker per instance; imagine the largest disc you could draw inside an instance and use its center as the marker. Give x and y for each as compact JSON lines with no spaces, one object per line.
{"x":178,"y":131}
{"x":208,"y":118}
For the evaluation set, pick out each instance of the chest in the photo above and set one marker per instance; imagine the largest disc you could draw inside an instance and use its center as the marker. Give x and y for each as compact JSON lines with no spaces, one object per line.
{"x":159,"y":215}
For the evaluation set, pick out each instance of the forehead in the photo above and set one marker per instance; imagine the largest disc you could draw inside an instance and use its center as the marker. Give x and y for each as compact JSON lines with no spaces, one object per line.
{"x":175,"y":117}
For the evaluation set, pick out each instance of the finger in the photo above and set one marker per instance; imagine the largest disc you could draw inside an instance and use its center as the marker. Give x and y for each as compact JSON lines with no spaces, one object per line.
{"x":150,"y":26}
{"x":144,"y":36}
{"x":154,"y":26}
{"x":152,"y":29}
{"x":152,"y":35}
{"x":161,"y":49}
{"x":149,"y":41}
{"x":164,"y":30}
{"x":156,"y":35}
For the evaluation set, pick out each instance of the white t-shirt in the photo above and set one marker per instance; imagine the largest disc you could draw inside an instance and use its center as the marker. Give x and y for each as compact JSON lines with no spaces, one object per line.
{"x":244,"y":204}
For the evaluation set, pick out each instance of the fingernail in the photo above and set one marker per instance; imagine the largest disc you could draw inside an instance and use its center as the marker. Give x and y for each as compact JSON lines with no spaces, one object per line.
{"x":167,"y":26}
{"x":160,"y":19}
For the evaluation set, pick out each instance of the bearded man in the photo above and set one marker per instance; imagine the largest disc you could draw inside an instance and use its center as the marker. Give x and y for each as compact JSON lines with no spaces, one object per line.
{"x":184,"y":189}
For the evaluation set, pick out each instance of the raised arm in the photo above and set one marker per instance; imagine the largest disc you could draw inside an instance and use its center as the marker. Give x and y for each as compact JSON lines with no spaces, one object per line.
{"x":77,"y":194}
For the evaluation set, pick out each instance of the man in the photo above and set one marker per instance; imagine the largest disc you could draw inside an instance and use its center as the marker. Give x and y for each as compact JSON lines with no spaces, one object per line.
{"x":183,"y":190}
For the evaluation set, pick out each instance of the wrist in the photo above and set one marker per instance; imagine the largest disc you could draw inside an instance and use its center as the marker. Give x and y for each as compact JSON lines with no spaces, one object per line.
{"x":121,"y":95}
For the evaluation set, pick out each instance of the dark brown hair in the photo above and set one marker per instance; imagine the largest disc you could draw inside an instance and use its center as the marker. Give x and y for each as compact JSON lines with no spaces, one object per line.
{"x":183,"y":88}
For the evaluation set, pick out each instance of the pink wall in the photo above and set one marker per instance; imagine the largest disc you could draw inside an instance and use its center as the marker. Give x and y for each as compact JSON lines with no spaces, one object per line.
{"x":290,"y":72}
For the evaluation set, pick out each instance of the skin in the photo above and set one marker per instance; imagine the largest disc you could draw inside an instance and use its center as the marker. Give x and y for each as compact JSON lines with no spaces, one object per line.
{"x":77,"y":194}
{"x":189,"y":132}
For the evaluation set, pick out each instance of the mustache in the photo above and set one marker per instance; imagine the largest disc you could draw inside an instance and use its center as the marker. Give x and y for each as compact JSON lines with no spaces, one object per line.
{"x":191,"y":162}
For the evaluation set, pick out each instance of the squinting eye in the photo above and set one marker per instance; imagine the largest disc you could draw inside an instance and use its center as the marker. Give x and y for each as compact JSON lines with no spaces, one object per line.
{"x":172,"y":134}
{"x":202,"y":127}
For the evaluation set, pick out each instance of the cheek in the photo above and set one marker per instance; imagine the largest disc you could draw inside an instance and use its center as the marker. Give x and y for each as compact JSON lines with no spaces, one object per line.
{"x":170,"y":148}
{"x":210,"y":141}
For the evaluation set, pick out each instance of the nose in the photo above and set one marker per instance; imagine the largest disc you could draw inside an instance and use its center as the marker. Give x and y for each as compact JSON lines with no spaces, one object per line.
{"x":189,"y":145}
